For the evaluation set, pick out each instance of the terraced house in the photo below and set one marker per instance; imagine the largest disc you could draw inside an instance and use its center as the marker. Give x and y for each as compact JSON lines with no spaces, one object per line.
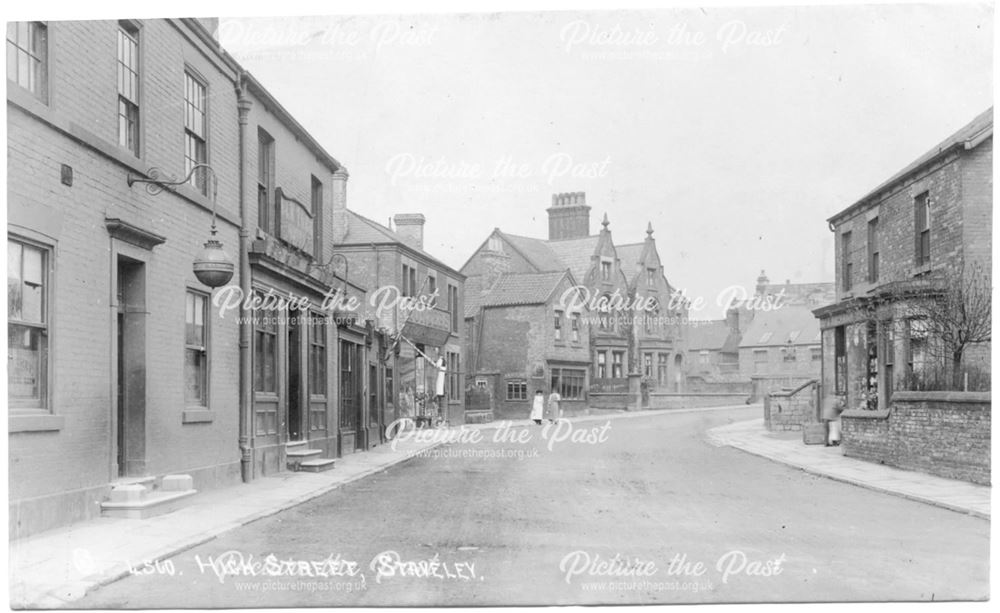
{"x":149,"y":176}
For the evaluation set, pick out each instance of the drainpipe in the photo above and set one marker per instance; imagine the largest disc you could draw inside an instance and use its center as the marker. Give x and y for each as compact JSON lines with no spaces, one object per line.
{"x":246,"y":374}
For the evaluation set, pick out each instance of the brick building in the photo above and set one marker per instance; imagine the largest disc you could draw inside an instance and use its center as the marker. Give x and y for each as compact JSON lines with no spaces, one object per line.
{"x":398,"y":272}
{"x":620,"y":341}
{"x":116,"y":367}
{"x":899,"y":249}
{"x":128,"y":388}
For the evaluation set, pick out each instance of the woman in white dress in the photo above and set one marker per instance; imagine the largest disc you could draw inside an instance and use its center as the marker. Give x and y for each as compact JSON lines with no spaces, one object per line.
{"x":538,"y":407}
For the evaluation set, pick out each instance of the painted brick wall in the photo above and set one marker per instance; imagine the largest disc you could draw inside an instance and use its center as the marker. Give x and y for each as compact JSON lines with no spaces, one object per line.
{"x":60,"y":475}
{"x":942,"y":433}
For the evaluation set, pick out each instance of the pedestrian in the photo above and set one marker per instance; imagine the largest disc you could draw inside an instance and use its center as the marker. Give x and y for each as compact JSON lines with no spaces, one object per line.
{"x":833,"y":406}
{"x":538,"y":407}
{"x":552,"y":409}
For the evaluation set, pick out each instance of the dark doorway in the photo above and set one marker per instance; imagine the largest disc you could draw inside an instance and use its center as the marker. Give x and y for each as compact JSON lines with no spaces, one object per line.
{"x":296,"y":430}
{"x":130,"y":435}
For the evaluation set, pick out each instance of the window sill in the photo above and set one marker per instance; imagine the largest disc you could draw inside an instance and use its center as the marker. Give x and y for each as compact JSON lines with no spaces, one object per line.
{"x":198,"y":416}
{"x":41,"y":422}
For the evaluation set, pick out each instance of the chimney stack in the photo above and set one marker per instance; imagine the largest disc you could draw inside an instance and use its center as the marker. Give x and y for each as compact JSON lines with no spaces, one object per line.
{"x":339,"y":218}
{"x":411,"y":227}
{"x":569,"y":216}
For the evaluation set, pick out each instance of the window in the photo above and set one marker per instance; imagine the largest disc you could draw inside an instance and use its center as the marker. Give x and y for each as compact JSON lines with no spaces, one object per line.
{"x":265,"y":180}
{"x":128,"y":87}
{"x":605,"y":270}
{"x":557,"y":322}
{"x":922,"y":228}
{"x":27,"y":325}
{"x":317,"y":354}
{"x":661,"y":368}
{"x":568,"y":382}
{"x":453,"y":307}
{"x":390,"y":393}
{"x":847,"y":268}
{"x":873,"y":250}
{"x":196,"y":349}
{"x":575,"y":331}
{"x":647,"y":365}
{"x":816,"y":354}
{"x":409,"y":281}
{"x":617,"y":358}
{"x":316,"y":199}
{"x":495,"y":244}
{"x":195,"y":149}
{"x":454,"y":376}
{"x":265,"y":353}
{"x":917,"y":356}
{"x":602,"y":364}
{"x":759,"y":360}
{"x":650,"y":277}
{"x":840,"y":360}
{"x":704,"y":357}
{"x":517,"y":390}
{"x":27,"y":62}
{"x":431,"y":283}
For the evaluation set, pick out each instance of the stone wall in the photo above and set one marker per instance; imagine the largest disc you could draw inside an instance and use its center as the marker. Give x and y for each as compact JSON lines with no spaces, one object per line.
{"x":942,"y":433}
{"x":790,"y":409}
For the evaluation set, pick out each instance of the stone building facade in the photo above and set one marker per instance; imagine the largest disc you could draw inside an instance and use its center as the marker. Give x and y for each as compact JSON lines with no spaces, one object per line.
{"x":899,"y":249}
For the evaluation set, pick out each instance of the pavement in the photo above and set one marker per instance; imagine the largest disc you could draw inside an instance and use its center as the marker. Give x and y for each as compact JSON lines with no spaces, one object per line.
{"x":58,"y":567}
{"x":752,"y":437}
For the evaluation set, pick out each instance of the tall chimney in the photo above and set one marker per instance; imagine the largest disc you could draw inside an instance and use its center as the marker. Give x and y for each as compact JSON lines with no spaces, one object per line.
{"x":762,"y":283}
{"x":411,"y":227}
{"x":339,"y":218}
{"x":569,"y":216}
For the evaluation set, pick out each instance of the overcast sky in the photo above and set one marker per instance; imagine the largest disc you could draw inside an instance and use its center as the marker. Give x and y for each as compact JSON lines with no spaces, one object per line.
{"x":735,"y":132}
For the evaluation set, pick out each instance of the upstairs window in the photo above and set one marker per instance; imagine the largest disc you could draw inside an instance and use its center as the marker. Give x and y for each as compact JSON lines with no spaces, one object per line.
{"x":847,"y":267}
{"x":27,"y":62}
{"x":557,"y":323}
{"x":922,"y":229}
{"x":650,"y":277}
{"x":605,"y":271}
{"x":196,"y":349}
{"x":128,"y":87}
{"x":453,"y":307}
{"x":265,"y":180}
{"x":873,"y":250}
{"x":316,"y":197}
{"x":195,"y":147}
{"x":575,"y":333}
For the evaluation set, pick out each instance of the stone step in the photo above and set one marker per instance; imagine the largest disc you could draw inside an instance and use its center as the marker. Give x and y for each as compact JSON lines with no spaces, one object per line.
{"x":295,"y":445}
{"x":153,"y":503}
{"x":301,"y":454}
{"x":317,"y":466}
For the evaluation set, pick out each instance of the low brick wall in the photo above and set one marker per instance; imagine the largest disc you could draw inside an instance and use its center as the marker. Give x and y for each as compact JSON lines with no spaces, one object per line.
{"x":941,"y":433}
{"x":784,"y":411}
{"x":691,"y":401}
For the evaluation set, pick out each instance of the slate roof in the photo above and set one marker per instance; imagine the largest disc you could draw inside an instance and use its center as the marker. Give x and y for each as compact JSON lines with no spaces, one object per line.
{"x":575,"y":254}
{"x":968,"y":136}
{"x":707,"y":335}
{"x":775,"y":328}
{"x":364,"y":231}
{"x":536,"y":251}
{"x":629,"y":255}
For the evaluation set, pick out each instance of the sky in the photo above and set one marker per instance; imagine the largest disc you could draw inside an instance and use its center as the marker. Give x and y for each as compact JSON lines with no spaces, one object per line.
{"x":734,"y":132}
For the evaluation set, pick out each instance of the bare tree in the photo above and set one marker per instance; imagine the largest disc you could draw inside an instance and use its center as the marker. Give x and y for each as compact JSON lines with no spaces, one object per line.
{"x":958,"y":317}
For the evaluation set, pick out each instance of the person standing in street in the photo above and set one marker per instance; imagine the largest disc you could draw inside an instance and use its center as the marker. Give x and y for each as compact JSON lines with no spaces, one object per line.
{"x":552,"y":409}
{"x":538,"y":407}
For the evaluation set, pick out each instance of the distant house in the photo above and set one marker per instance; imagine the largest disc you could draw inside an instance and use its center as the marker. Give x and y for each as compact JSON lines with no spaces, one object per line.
{"x":904,"y":251}
{"x":712,"y":351}
{"x":522,"y":341}
{"x":784,"y":342}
